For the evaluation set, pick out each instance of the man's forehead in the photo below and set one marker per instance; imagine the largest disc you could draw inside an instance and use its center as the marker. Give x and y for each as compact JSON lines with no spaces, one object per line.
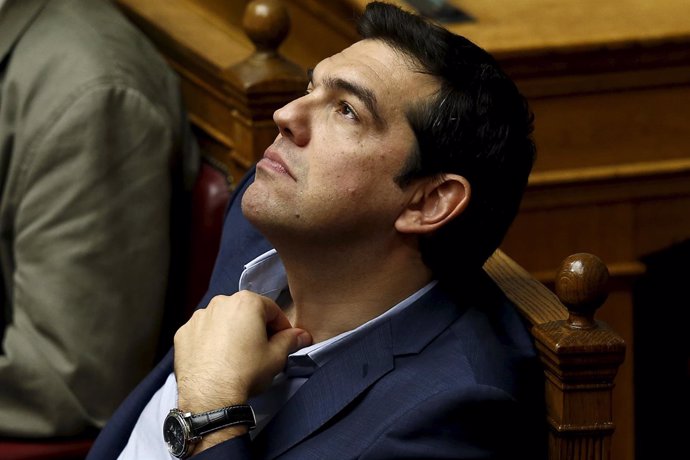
{"x":367,"y":56}
{"x":377,"y":65}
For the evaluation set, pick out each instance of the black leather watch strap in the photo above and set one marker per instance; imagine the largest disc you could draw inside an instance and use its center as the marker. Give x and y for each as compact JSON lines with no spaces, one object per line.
{"x":207,"y":422}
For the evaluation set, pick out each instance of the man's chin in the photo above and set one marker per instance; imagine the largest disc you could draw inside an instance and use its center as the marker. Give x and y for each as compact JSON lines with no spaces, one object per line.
{"x":257,"y":209}
{"x":251,"y":204}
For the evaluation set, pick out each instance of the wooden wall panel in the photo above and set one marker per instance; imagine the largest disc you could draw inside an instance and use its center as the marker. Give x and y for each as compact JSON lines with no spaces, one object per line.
{"x":612,"y":128}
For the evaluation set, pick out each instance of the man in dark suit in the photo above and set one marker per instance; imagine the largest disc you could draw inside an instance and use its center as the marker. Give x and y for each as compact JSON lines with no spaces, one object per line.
{"x":371,"y":332}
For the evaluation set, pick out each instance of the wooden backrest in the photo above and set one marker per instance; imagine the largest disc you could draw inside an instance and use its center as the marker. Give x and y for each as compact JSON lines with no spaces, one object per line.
{"x":580,"y":355}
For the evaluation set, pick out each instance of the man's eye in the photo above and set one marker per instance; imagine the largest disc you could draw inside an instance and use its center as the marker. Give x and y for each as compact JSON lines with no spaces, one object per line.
{"x":347,"y":110}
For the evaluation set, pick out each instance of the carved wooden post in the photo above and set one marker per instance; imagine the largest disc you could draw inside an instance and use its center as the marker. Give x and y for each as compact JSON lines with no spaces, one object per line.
{"x":581,"y":357}
{"x":262,"y":82}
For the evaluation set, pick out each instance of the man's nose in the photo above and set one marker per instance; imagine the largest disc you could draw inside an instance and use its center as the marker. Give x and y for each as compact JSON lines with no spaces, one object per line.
{"x":293,"y":121}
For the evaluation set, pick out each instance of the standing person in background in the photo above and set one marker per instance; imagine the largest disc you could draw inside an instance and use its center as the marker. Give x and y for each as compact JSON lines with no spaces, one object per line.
{"x":91,"y":123}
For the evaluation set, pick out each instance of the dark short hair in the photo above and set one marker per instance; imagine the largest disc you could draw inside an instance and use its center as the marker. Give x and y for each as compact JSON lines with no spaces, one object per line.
{"x":477,"y":125}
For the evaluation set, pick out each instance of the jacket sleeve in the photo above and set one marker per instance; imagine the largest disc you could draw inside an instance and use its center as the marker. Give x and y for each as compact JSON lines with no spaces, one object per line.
{"x":236,"y":448}
{"x":91,"y":250}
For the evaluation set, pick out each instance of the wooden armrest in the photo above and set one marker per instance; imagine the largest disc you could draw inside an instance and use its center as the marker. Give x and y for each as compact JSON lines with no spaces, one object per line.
{"x":580,"y":355}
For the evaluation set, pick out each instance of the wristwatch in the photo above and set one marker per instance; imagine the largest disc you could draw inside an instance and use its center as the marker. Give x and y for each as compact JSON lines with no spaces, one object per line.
{"x":182,"y":430}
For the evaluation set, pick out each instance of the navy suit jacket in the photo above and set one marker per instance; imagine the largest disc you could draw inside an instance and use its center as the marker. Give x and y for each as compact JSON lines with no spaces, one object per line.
{"x":447,"y":378}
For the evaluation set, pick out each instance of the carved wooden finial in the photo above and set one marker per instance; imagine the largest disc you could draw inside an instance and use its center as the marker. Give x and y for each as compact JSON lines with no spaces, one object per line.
{"x":266,"y":71}
{"x":266,"y":23}
{"x":581,"y":285}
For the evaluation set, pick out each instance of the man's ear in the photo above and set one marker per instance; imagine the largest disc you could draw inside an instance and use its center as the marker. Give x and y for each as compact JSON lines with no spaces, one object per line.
{"x":434,"y":203}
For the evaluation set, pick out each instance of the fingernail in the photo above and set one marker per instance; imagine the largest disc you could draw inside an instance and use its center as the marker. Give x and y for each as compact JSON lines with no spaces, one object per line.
{"x":303,"y":339}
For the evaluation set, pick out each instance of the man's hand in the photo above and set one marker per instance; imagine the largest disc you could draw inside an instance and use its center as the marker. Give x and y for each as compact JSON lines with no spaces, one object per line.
{"x":232,"y":350}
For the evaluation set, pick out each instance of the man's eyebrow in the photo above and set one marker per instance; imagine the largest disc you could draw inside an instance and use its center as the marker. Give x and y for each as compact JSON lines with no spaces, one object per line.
{"x":362,"y":93}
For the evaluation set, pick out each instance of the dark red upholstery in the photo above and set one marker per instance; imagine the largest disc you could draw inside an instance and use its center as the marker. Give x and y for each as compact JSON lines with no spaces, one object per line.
{"x":209,"y":199}
{"x":202,"y":233}
{"x":71,"y":449}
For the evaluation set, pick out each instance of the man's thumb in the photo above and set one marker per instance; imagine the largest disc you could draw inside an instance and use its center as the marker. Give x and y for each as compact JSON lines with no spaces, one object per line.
{"x":290,"y":340}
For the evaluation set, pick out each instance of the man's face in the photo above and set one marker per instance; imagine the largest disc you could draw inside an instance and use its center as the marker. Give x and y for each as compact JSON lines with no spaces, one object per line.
{"x":330,"y":172}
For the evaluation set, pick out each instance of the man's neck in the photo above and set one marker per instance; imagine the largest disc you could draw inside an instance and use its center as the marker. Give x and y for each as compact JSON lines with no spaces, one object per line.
{"x":336,"y":291}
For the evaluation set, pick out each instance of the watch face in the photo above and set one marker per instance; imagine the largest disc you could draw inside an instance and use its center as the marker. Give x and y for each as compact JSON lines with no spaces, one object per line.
{"x":174,"y":431}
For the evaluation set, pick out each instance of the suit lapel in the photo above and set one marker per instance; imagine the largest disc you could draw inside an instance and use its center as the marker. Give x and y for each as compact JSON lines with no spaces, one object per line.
{"x":325,"y":394}
{"x":358,"y":366}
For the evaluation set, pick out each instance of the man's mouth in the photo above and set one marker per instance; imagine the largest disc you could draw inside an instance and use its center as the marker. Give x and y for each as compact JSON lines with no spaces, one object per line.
{"x":274,"y":161}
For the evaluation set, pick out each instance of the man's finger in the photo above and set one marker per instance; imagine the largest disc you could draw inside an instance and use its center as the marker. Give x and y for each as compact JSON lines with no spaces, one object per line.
{"x":288,"y":341}
{"x":274,"y":317}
